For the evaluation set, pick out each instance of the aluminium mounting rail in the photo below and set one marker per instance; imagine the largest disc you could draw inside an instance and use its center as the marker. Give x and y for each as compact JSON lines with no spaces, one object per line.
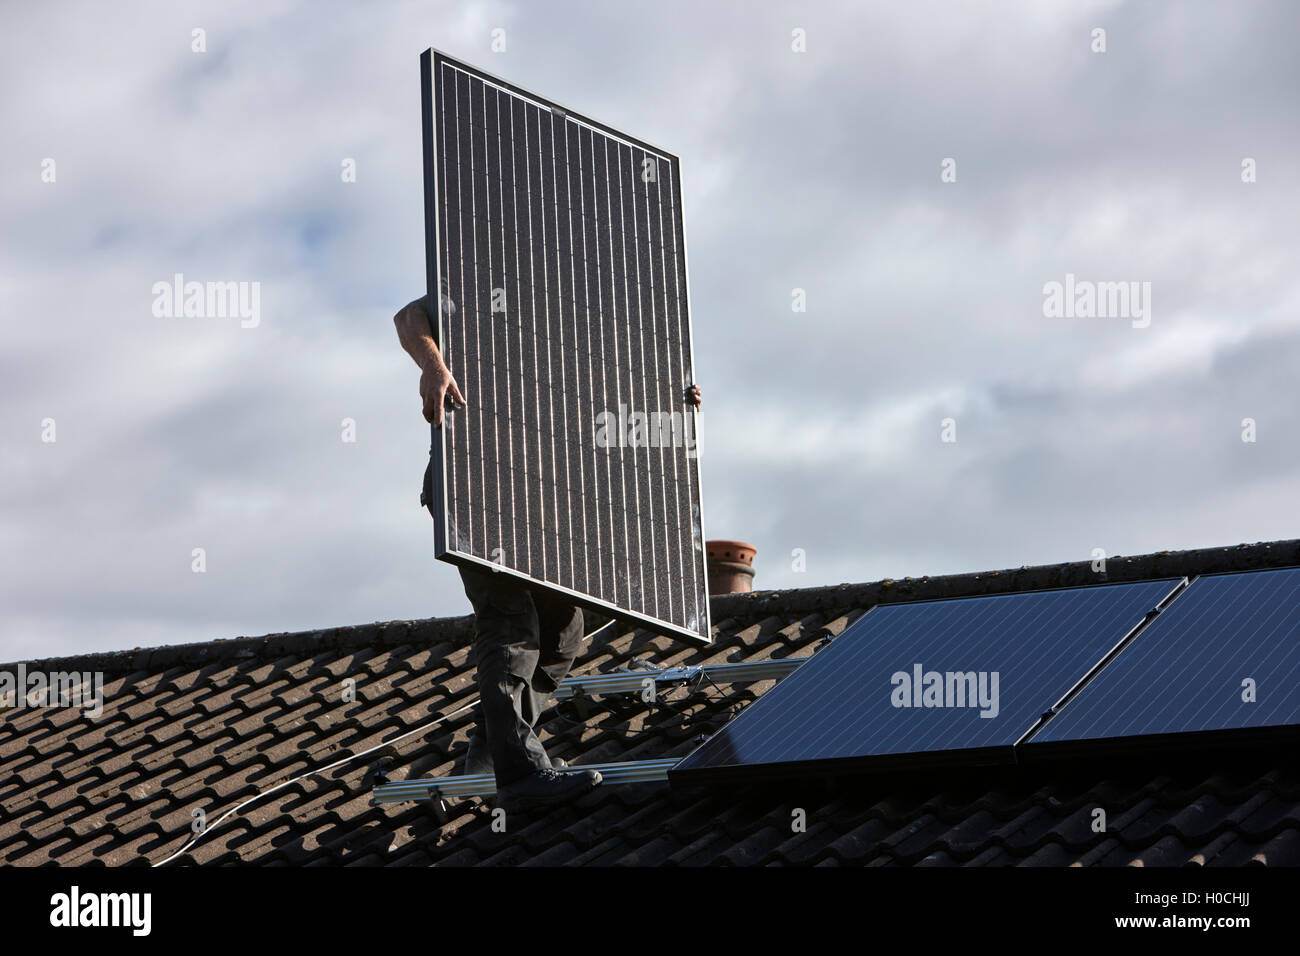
{"x":484,"y":784}
{"x":621,"y":682}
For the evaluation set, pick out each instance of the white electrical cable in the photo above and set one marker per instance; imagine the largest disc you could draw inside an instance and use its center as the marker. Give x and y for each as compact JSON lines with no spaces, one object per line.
{"x":309,"y":773}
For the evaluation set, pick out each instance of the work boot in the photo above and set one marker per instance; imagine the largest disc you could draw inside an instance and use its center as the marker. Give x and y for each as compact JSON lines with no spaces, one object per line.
{"x":546,"y":788}
{"x":478,"y":758}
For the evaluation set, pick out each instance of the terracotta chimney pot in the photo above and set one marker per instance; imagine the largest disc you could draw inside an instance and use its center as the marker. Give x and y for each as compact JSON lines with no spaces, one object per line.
{"x":731,"y":566}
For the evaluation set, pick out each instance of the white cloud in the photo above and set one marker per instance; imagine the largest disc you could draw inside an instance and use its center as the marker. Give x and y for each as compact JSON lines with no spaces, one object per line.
{"x":816,"y":170}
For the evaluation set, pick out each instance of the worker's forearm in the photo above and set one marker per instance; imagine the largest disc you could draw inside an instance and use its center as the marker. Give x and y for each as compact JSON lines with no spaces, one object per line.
{"x":413,"y":332}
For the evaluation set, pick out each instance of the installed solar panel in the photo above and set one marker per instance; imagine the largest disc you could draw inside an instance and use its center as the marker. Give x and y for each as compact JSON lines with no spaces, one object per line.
{"x":1225,"y":640}
{"x":560,"y":245}
{"x":997,"y":662}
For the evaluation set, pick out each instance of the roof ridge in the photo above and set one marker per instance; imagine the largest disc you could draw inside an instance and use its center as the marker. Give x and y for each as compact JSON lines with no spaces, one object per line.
{"x":1119,"y":568}
{"x":267,"y":647}
{"x":739,"y":607}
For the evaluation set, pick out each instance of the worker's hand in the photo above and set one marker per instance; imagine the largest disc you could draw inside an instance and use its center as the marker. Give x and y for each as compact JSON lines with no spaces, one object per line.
{"x":436,"y":385}
{"x":694,"y":397}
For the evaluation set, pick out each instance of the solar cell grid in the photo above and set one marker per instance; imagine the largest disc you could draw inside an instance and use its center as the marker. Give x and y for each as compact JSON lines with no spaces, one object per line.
{"x":1224,"y":656}
{"x":561,"y":242}
{"x":869,"y":696}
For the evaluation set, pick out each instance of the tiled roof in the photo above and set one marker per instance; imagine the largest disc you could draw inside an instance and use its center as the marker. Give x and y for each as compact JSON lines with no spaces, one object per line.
{"x":206,"y":726}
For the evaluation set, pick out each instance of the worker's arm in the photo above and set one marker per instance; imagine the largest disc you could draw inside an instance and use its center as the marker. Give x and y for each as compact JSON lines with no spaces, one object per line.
{"x":435,"y":380}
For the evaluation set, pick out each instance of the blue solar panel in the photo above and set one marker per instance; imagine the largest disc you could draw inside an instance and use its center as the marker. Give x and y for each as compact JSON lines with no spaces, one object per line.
{"x":1192,"y":669}
{"x":988,"y":667}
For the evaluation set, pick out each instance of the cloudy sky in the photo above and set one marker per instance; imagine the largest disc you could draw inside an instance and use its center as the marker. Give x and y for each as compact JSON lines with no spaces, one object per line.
{"x":818,"y":170}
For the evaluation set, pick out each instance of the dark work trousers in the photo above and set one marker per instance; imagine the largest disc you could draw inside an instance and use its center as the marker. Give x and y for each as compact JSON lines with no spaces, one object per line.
{"x":525,"y":641}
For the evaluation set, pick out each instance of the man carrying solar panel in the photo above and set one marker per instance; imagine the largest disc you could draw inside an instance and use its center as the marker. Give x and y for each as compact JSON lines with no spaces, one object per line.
{"x":525,"y":639}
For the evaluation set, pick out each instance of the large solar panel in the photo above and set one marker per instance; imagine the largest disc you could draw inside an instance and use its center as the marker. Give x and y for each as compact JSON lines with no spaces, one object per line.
{"x":559,"y":244}
{"x":1224,"y":656}
{"x":859,"y":701}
